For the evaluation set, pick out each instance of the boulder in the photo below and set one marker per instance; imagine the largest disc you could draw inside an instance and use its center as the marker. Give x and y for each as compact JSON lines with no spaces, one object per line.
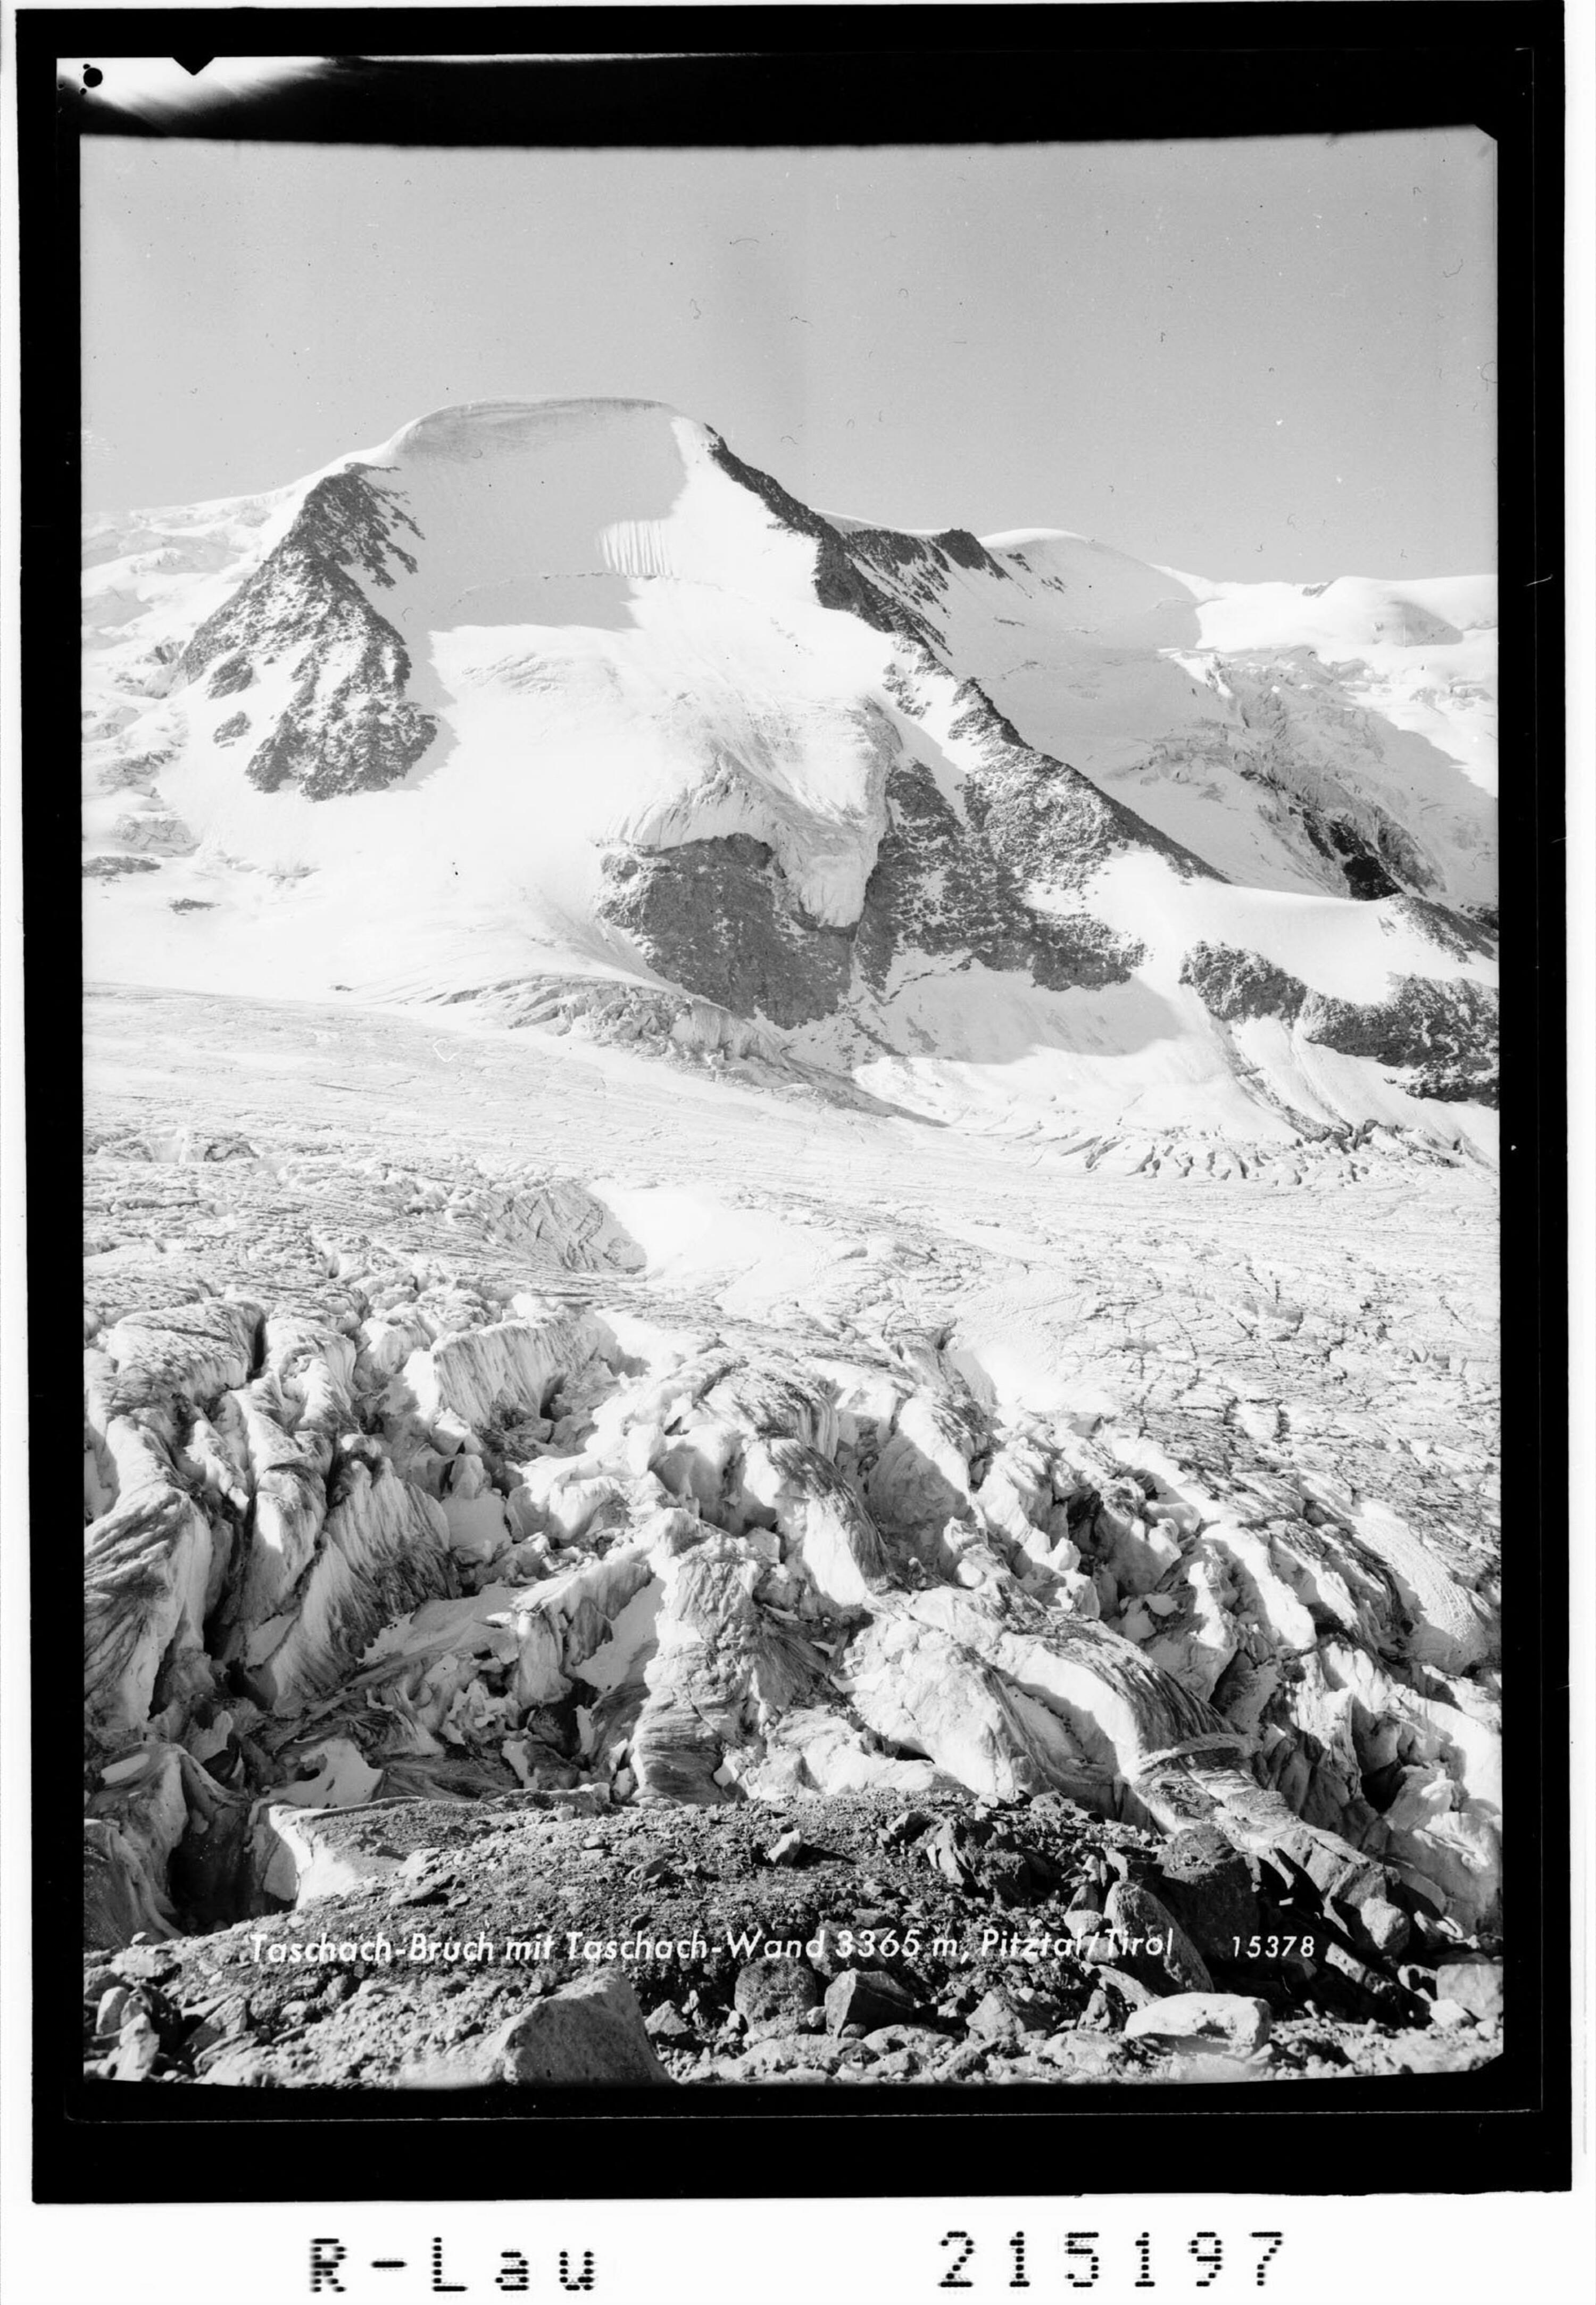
{"x":924,"y":2040}
{"x":1385,"y":1926}
{"x":1007,"y":1875}
{"x":1150,"y":1943}
{"x":773,"y":1995}
{"x":791,"y":1849}
{"x":943,"y":1852}
{"x":1234,"y":2019}
{"x":799,"y":2053}
{"x":1204,"y":1880}
{"x":1116,"y":1996}
{"x":108,"y":2015}
{"x":1003,"y":2016}
{"x":667,"y":2023}
{"x":138,"y":2047}
{"x":1475,"y":1985}
{"x":1375,"y":1994}
{"x":591,"y":2032}
{"x":869,"y":1998}
{"x":234,"y":2064}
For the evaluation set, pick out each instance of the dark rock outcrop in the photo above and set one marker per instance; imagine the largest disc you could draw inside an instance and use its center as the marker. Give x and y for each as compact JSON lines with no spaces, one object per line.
{"x":1453,"y":933}
{"x":1447,"y":1029}
{"x":1235,"y":984}
{"x":1040,"y":817}
{"x":839,"y":582}
{"x":773,"y":1995}
{"x":1204,"y":1880}
{"x":349,"y":725}
{"x":719,"y":918}
{"x":1444,"y":1029}
{"x":867,"y":1997}
{"x":233,"y":673}
{"x":941,"y":886}
{"x":354,"y":734}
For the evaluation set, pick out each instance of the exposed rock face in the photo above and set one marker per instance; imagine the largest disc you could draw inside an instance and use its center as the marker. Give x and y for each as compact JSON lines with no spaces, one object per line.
{"x":347,"y":521}
{"x":1367,"y":877}
{"x":926,"y":557}
{"x":1236,"y":984}
{"x":1040,"y":817}
{"x":1447,"y":1031}
{"x":1444,"y":1030}
{"x":839,"y":582}
{"x":719,"y":917}
{"x":1341,"y":796}
{"x":232,"y":672}
{"x":1290,"y":741}
{"x":349,"y":725}
{"x":1452,"y":933}
{"x":943,"y":885}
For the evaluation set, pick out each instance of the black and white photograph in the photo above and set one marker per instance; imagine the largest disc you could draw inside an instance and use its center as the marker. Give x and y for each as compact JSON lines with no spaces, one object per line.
{"x":794,"y":1103}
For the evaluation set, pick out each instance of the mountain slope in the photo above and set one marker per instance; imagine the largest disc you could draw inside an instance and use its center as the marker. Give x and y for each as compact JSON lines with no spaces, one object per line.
{"x":1021,"y":833}
{"x":1338,"y":736}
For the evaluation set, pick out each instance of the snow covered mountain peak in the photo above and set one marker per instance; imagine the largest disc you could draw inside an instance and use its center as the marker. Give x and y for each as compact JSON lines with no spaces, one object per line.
{"x":561,"y":700}
{"x":469,"y":427}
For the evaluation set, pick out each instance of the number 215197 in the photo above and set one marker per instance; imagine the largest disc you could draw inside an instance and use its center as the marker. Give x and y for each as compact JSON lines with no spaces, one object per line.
{"x":1081,"y":2258}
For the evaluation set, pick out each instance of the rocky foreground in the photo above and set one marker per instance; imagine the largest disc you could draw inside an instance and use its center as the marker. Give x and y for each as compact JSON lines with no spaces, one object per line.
{"x":457,"y":1575}
{"x":546,"y":1938}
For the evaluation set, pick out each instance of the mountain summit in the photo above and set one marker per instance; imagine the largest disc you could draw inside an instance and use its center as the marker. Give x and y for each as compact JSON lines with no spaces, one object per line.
{"x":561,"y":706}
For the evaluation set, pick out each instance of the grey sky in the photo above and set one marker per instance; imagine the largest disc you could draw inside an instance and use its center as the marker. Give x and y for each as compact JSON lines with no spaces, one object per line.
{"x":1267,"y":357}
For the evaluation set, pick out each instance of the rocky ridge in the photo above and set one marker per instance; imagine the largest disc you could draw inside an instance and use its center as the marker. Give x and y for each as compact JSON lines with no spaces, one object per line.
{"x":349,"y":725}
{"x":1442,"y":1036}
